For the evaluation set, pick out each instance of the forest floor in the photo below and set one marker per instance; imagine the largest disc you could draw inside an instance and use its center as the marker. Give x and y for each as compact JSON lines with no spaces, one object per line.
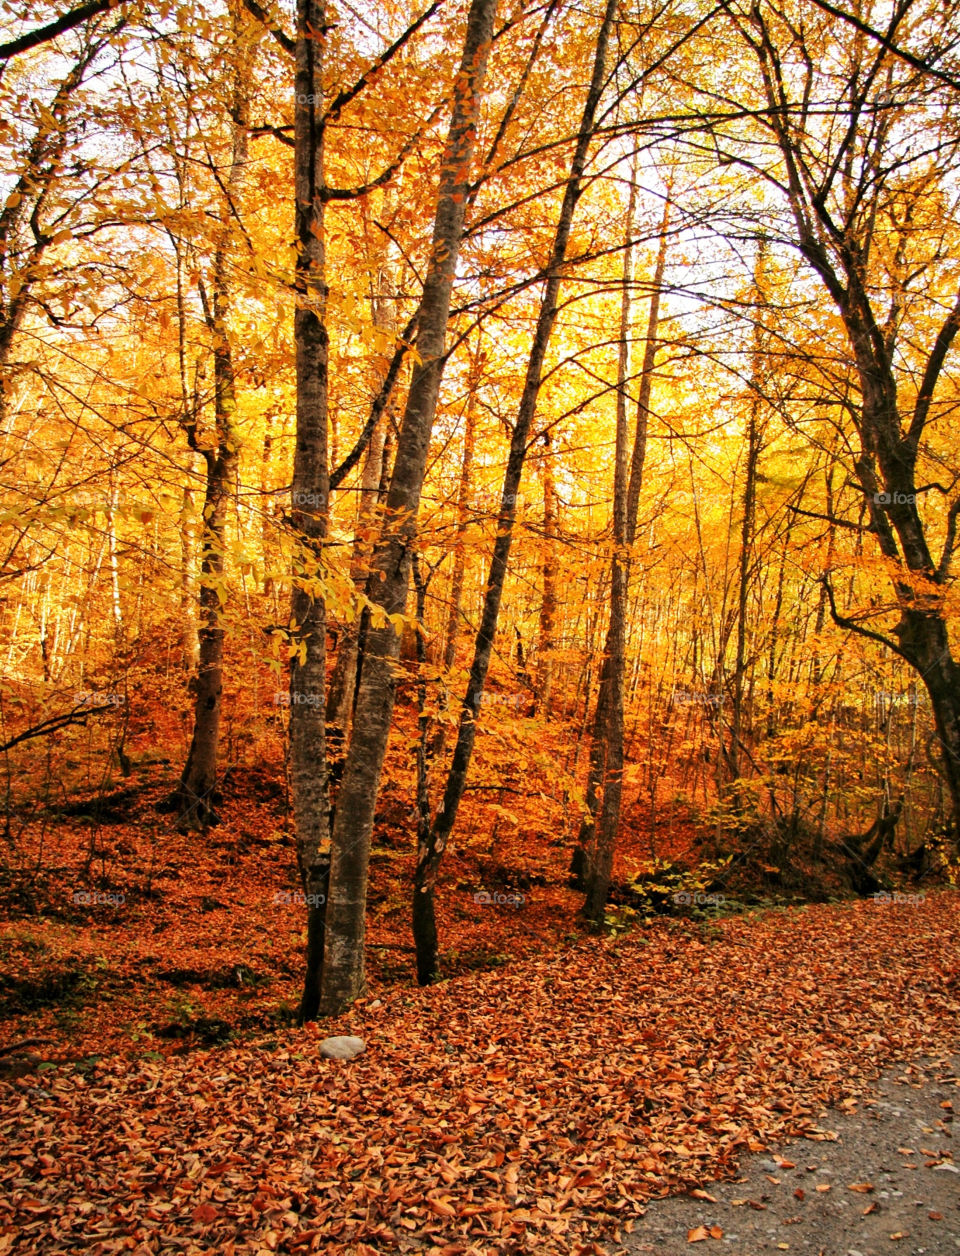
{"x":535,"y":1107}
{"x":181,"y":941}
{"x":120,"y":935}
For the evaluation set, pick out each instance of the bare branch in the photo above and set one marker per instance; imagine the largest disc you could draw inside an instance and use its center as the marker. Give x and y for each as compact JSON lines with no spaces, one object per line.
{"x":838,"y":523}
{"x":275,"y":29}
{"x":886,"y":40}
{"x":59,"y":26}
{"x":931,"y":375}
{"x":842,"y":621}
{"x":342,"y":99}
{"x":379,"y":405}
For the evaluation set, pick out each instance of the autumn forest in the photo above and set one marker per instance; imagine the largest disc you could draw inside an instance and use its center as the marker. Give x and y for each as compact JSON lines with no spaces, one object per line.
{"x":474,"y":476}
{"x":479,"y":505}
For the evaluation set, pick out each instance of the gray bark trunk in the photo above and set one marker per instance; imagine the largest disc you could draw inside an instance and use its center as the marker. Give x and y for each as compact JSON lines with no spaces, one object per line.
{"x":197,"y":792}
{"x":605,"y":784}
{"x":430,"y":851}
{"x":309,"y":499}
{"x":343,"y":965}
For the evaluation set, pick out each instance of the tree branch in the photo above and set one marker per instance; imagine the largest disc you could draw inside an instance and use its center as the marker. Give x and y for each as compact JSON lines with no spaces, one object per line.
{"x":350,"y":194}
{"x":379,"y":405}
{"x":887,"y":41}
{"x":949,"y":543}
{"x":52,"y":725}
{"x":43,"y":34}
{"x":931,"y":375}
{"x":275,"y":29}
{"x":852,"y":626}
{"x":342,"y":99}
{"x":839,"y":523}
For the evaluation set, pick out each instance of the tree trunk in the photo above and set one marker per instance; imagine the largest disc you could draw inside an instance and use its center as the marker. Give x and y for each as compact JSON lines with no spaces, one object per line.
{"x":189,"y":637}
{"x":430,"y":851}
{"x":343,"y":966}
{"x":889,"y":443}
{"x":597,"y":841}
{"x":343,"y":681}
{"x":344,"y":677}
{"x":548,"y":605}
{"x":463,"y":515}
{"x":754,"y":440}
{"x":197,"y":792}
{"x":310,"y":489}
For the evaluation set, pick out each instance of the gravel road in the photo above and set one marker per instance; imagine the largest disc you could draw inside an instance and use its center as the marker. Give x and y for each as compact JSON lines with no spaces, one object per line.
{"x":884,"y":1180}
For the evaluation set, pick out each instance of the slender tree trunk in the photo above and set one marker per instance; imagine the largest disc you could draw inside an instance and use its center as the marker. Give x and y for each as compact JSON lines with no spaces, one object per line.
{"x":430,"y":851}
{"x":343,"y":966}
{"x":463,"y":515}
{"x":189,"y":639}
{"x":310,"y":491}
{"x":343,"y":681}
{"x":197,"y":791}
{"x":548,"y":605}
{"x":605,"y":784}
{"x":116,"y":605}
{"x":267,"y":504}
{"x":465,"y":489}
{"x":754,"y":441}
{"x":344,"y":677}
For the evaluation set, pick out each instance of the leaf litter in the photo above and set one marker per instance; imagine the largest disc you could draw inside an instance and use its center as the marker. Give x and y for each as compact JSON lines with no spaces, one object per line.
{"x":535,"y":1108}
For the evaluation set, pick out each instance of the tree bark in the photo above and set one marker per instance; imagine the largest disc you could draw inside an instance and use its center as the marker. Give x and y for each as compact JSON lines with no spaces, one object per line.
{"x":463,"y":514}
{"x":430,"y":851}
{"x":754,"y":440}
{"x":197,"y":792}
{"x":310,"y":489}
{"x":343,"y":966}
{"x":548,"y":604}
{"x":604,"y":796}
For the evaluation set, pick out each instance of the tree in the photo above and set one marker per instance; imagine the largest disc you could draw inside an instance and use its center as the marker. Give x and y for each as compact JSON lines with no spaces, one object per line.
{"x":343,"y":962}
{"x":852,"y":201}
{"x":433,"y":841}
{"x":196,"y":794}
{"x":605,"y":785}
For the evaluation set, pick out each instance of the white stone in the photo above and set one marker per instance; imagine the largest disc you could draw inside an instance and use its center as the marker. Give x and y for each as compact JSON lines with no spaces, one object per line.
{"x":343,"y":1048}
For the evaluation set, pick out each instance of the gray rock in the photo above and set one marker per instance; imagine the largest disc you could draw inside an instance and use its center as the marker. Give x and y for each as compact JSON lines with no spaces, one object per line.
{"x":341,"y":1048}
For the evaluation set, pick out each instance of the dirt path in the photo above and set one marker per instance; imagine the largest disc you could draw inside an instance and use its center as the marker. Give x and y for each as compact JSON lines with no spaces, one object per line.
{"x":883,"y":1178}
